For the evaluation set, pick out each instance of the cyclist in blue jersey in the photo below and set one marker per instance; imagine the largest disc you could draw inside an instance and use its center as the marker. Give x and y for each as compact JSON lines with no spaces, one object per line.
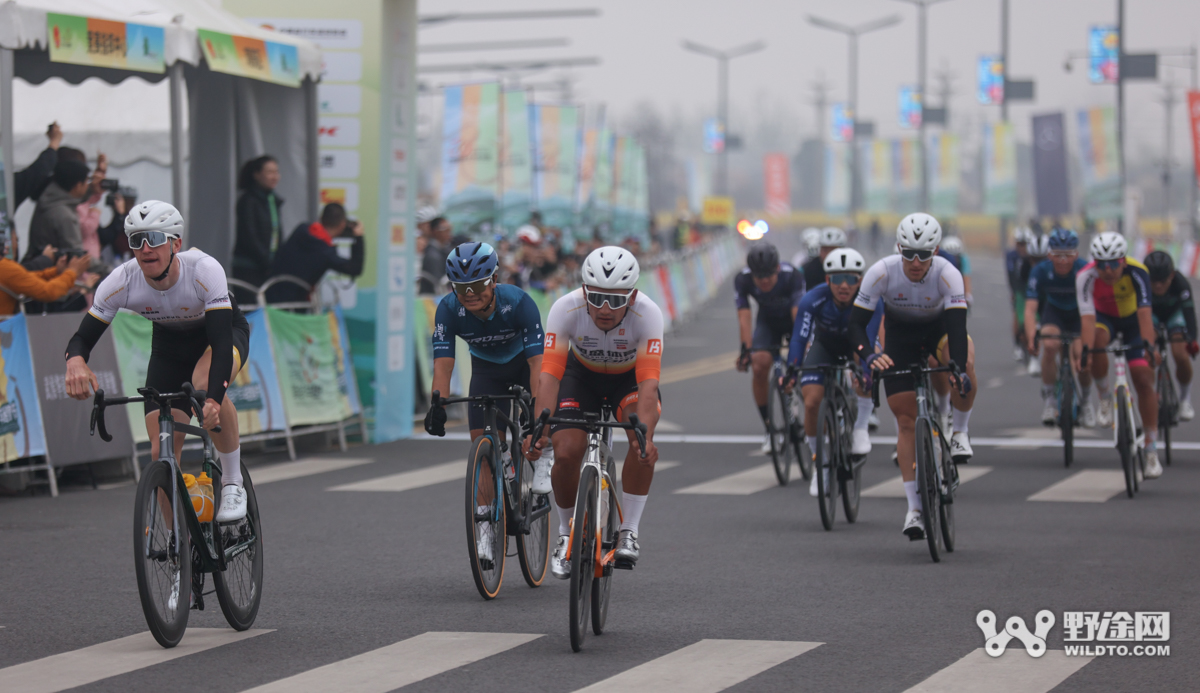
{"x":776,"y":287}
{"x":1051,"y":286}
{"x":503,"y":330}
{"x":823,"y":318}
{"x":1017,"y":266}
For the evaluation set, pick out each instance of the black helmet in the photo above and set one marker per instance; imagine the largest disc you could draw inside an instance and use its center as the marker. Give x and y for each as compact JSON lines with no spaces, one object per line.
{"x":1160,"y":266}
{"x":763,"y":260}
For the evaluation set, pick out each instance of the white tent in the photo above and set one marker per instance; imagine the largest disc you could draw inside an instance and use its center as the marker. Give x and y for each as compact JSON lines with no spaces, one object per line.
{"x":231,"y":118}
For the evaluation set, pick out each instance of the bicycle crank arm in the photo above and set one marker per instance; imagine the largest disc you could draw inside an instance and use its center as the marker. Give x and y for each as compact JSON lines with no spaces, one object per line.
{"x":234,"y":551}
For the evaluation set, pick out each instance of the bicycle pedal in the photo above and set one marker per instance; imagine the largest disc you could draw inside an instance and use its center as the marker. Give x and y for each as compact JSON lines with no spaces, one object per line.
{"x":608,"y":570}
{"x":621,"y":564}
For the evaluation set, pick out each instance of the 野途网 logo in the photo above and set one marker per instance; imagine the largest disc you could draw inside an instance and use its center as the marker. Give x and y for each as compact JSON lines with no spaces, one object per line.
{"x":1091,"y":627}
{"x":1035,"y":642}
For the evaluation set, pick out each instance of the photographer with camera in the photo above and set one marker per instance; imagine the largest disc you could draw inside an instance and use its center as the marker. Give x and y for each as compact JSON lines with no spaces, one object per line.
{"x":114,"y":245}
{"x":310,"y":251}
{"x":51,"y":284}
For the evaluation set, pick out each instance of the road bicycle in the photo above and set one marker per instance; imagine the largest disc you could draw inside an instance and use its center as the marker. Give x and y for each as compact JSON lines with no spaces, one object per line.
{"x":493,"y":476}
{"x":937,"y":475}
{"x":1067,"y":392}
{"x":592,"y":546}
{"x":785,"y":425}
{"x":171,"y":555}
{"x":1168,"y":396}
{"x":835,"y":438}
{"x":1128,"y":435}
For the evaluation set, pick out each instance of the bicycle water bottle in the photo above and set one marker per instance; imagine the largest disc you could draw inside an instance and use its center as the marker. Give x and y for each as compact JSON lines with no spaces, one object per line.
{"x":202,"y":498}
{"x":603,"y":504}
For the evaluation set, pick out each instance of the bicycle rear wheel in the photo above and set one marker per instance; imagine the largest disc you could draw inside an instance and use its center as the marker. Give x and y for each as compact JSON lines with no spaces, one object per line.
{"x":828,"y":454}
{"x":608,"y":542}
{"x":239,"y":586}
{"x":164,"y":570}
{"x":927,"y":486}
{"x":948,"y":472}
{"x":1168,"y":408}
{"x":583,"y":555}
{"x":533,"y":549}
{"x":1066,"y":415}
{"x":1125,"y":441}
{"x":482,"y":467}
{"x":777,"y":425}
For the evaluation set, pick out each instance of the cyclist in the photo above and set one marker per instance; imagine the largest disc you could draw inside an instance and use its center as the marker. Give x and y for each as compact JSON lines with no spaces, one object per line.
{"x":776,"y":287}
{"x":199,"y":335}
{"x":1017,"y":266}
{"x":604,"y":346}
{"x":832,"y":238}
{"x":953,"y":250}
{"x":1052,"y":285}
{"x":1113,"y":292}
{"x":926,"y":309}
{"x":811,"y":238}
{"x":824,"y":315}
{"x":1171,"y":304}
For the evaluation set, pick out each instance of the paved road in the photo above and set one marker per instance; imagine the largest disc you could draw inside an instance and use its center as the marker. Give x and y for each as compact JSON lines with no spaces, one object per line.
{"x":368,"y":588}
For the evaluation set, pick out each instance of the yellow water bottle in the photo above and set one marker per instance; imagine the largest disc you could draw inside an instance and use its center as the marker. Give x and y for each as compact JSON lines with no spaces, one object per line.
{"x":203,"y":500}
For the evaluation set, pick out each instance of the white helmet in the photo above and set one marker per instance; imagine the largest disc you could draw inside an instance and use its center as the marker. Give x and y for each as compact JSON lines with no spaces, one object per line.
{"x":952,"y":245}
{"x":426,"y":214}
{"x":529,"y":234}
{"x":154,"y":215}
{"x":1109,"y":245}
{"x":610,"y":267}
{"x":844,"y":260}
{"x":812,"y":240}
{"x":919,"y":231}
{"x":1039,"y":246}
{"x":832,"y":236}
{"x":1022,"y":234}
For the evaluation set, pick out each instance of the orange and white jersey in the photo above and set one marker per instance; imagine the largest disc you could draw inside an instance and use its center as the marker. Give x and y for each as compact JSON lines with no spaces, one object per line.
{"x":635,"y":343}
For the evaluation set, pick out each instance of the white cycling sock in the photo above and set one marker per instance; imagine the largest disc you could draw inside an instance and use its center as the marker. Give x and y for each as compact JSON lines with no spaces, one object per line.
{"x":564,"y":518}
{"x":910,"y":492}
{"x":1102,"y":388}
{"x":811,"y":442}
{"x":865,"y":406}
{"x":1085,"y":391}
{"x":960,"y":420}
{"x":1185,"y":392}
{"x":943,"y":402}
{"x":632,"y":506}
{"x":231,"y":467}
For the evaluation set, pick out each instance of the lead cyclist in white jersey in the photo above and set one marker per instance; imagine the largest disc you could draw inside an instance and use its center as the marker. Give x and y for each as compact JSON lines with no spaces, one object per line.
{"x":925,"y":306}
{"x":199,"y":335}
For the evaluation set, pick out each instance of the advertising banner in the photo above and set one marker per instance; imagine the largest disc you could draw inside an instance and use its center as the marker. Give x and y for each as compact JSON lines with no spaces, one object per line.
{"x":876,"y":156}
{"x":555,"y":132}
{"x":309,"y":365}
{"x":470,"y":156}
{"x":589,"y":150}
{"x":842,"y":122}
{"x":516,"y":180}
{"x":717,"y":211}
{"x":837,"y":178}
{"x":619,"y":198}
{"x":1103,"y":60}
{"x":714,"y":136}
{"x":906,"y":175}
{"x":250,"y":57}
{"x":131,"y":335}
{"x":1050,"y":165}
{"x":641,"y":195}
{"x":1193,"y":102}
{"x":1100,"y":159}
{"x":21,"y":430}
{"x":1000,"y":170}
{"x":777,"y":182}
{"x":255,"y":391}
{"x":910,"y":108}
{"x":105,"y":43}
{"x":944,"y":174}
{"x":600,"y":208}
{"x":990,"y":72}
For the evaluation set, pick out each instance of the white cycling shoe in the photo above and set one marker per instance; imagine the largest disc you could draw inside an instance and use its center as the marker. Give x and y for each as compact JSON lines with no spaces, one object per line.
{"x":914,"y":525}
{"x":862,"y":442}
{"x":873,"y":421}
{"x":1035,"y":366}
{"x":1186,"y":412}
{"x":628,"y":549}
{"x":541,"y":473}
{"x":483,"y":547}
{"x":813,"y":489}
{"x":1104,"y":414}
{"x":960,"y":447}
{"x":766,"y":446}
{"x":1153,"y":467}
{"x":1087,"y":415}
{"x":233,"y":503}
{"x":560,"y":565}
{"x":1050,"y":413}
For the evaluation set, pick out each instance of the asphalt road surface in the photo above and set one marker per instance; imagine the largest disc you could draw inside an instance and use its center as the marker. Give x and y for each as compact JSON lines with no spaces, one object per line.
{"x":368,"y":588}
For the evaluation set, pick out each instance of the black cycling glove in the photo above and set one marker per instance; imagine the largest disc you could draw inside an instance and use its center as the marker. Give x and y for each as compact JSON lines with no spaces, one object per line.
{"x":435,"y":421}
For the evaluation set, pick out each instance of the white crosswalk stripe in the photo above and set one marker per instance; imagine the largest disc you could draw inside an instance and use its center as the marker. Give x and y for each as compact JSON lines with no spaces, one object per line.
{"x":1087,"y":486}
{"x":894,"y":488}
{"x":307,"y":467}
{"x":406,"y":481}
{"x":742,"y":483}
{"x":80,"y":667}
{"x":1013,"y":672}
{"x":399,"y":664}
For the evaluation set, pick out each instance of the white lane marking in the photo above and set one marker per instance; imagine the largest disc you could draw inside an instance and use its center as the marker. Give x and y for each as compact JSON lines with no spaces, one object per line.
{"x":308,"y":467}
{"x":658,"y":467}
{"x":406,"y":481}
{"x":98,"y":662}
{"x":1087,"y":486}
{"x":398,"y":664}
{"x":742,"y":483}
{"x":708,"y":666}
{"x":668,"y":426}
{"x":1011,"y":672}
{"x":995,"y":382}
{"x":894,"y":488}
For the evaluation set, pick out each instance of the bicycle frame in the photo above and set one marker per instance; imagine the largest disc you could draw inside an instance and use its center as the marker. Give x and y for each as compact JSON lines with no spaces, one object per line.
{"x":1121,"y":377}
{"x":1066,"y":371}
{"x":921,"y":373}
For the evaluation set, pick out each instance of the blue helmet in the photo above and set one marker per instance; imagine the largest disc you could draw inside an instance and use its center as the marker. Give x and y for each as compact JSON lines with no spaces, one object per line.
{"x":1063,"y":239}
{"x":471,"y":262}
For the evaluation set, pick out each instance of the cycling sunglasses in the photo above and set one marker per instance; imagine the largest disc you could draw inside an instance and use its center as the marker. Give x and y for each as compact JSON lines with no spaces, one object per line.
{"x":475,"y":287}
{"x":154,"y":238}
{"x":1108,"y":264}
{"x":598,"y":299}
{"x":914,"y":254}
{"x":844,"y":278}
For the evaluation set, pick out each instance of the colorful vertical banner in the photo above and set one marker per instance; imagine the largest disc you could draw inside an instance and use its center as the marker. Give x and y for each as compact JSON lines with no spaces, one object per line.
{"x":777,"y":183}
{"x":876,"y":158}
{"x":250,"y":57}
{"x":944,"y":174}
{"x":910,"y":107}
{"x":906,"y":174}
{"x":470,"y":156}
{"x":589,"y":144}
{"x":132,"y":335}
{"x":21,"y":431}
{"x":1000,"y":170}
{"x":516,"y":162}
{"x":714,"y":136}
{"x":620,"y":204}
{"x":1100,"y":159}
{"x":600,"y":208}
{"x":1104,"y":61}
{"x":105,"y":43}
{"x":641,"y":196}
{"x":842,"y":122}
{"x":555,"y":132}
{"x":1193,"y":102}
{"x":990,"y":73}
{"x":837,"y":178}
{"x":255,"y":391}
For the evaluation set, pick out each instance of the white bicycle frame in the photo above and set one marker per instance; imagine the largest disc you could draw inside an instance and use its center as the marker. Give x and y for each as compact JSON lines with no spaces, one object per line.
{"x":1121,"y":373}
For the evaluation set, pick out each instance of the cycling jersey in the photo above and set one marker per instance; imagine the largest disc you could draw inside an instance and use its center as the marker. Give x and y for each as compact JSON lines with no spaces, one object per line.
{"x":961,"y":262}
{"x":907,"y":301}
{"x":1120,"y":299}
{"x":821,"y":319}
{"x":201,"y":288}
{"x":814,"y":272}
{"x":775,"y":304}
{"x":1057,"y":289}
{"x":634,"y":344}
{"x":1177,"y":302}
{"x":513,"y":328}
{"x":1018,"y":269}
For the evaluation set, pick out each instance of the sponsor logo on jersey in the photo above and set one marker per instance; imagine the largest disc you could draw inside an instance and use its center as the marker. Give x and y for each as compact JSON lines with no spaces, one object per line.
{"x":551,"y":338}
{"x":654,"y":346}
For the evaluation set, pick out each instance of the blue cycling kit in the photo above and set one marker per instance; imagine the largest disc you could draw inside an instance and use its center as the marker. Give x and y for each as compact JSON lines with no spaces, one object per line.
{"x":962,"y":263}
{"x":820,"y":317}
{"x":1018,"y":269}
{"x":1058,"y":290}
{"x":776,"y":304}
{"x":515,"y":326}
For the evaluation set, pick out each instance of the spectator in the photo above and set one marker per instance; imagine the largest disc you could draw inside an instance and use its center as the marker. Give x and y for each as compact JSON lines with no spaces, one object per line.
{"x":55,"y":221}
{"x":31,"y":182}
{"x":114,"y":244}
{"x":259,"y":233}
{"x":424,"y":216}
{"x":309,"y":252}
{"x":87,"y":211}
{"x":50,"y":284}
{"x":433,"y":260}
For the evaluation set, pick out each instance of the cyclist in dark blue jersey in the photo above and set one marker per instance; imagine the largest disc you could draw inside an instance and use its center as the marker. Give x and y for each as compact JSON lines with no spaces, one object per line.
{"x":822,"y":334}
{"x":776,"y":287}
{"x":953,"y":250}
{"x":1051,"y":286}
{"x":1017,"y":266}
{"x":1172,"y":306}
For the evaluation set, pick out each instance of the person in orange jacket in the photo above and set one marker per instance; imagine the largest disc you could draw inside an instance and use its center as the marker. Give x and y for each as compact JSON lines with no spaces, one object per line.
{"x":49,"y":284}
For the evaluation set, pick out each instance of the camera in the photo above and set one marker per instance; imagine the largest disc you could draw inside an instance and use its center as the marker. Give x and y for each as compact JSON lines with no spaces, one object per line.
{"x":128,"y":192}
{"x":110,"y":184}
{"x":70,"y":253}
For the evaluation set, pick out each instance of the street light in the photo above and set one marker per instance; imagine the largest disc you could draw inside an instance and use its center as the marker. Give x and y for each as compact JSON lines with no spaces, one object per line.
{"x":723,"y":58}
{"x":852,"y":33}
{"x":922,"y":8}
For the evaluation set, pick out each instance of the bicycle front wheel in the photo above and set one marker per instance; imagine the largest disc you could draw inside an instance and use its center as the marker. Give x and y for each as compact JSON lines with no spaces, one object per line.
{"x":927,"y":486}
{"x":1066,"y":415}
{"x":777,"y":425}
{"x":610,"y":527}
{"x":1125,"y":441}
{"x":239,"y":586}
{"x":948,"y":474}
{"x":162,"y":564}
{"x":583,"y":555}
{"x":828,"y":453}
{"x":487,"y":538}
{"x":533,"y":549}
{"x":1168,"y":408}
